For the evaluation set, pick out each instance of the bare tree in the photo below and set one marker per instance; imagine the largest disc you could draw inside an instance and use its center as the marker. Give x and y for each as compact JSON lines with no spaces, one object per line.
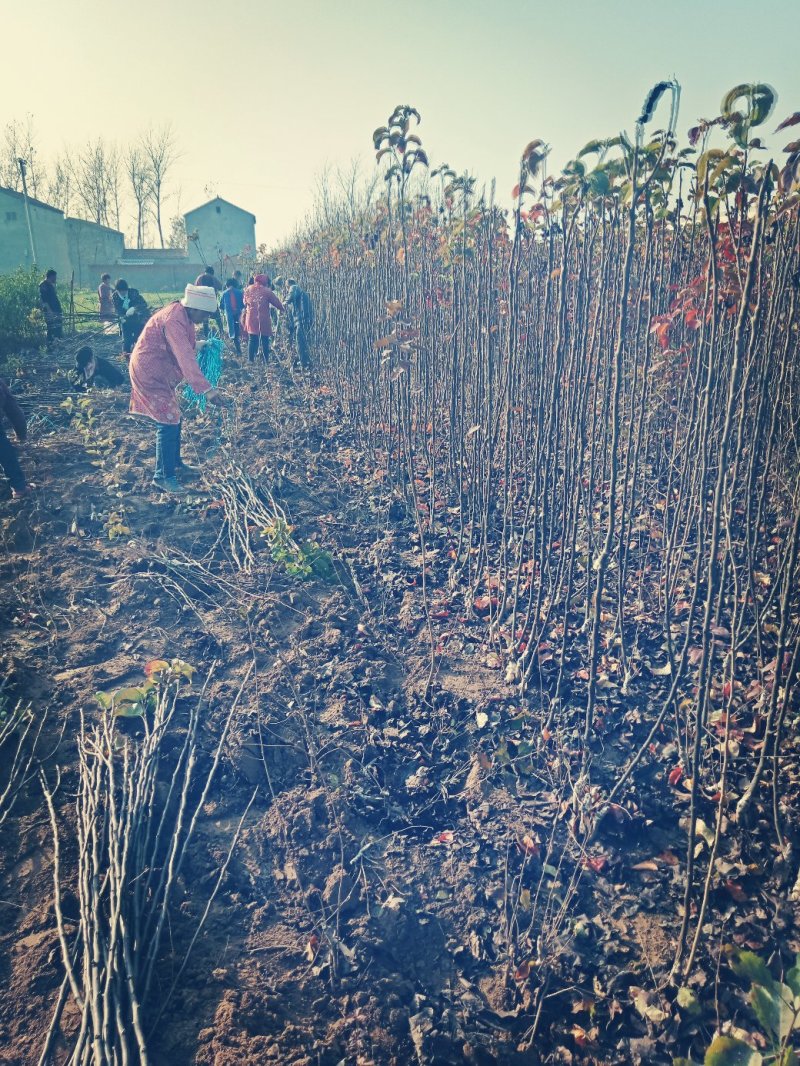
{"x":60,"y":189}
{"x":114,"y":185}
{"x":95,"y":175}
{"x":140,"y":180}
{"x":161,"y":151}
{"x":20,"y":142}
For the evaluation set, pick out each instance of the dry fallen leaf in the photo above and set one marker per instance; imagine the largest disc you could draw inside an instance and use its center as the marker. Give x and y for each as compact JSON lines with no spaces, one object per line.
{"x":648,"y":864}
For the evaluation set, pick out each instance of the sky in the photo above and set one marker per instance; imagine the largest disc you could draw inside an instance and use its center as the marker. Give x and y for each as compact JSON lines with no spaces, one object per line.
{"x":264,"y":96}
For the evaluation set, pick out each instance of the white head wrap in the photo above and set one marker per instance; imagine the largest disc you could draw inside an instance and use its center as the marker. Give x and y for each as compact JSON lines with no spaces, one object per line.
{"x":201,"y":297}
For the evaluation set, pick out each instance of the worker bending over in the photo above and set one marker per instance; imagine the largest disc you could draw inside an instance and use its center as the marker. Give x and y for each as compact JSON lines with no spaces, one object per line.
{"x":165,"y":355}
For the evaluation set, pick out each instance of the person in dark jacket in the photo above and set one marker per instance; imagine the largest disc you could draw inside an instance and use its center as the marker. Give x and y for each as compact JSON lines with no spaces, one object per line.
{"x":51,"y":307}
{"x":232,"y":304}
{"x":132,"y":312}
{"x":8,"y":456}
{"x":91,"y":369}
{"x":300,"y":321}
{"x":209,"y":280}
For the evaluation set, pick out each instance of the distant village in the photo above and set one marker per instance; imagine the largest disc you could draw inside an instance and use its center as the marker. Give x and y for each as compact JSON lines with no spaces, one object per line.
{"x":36,"y":233}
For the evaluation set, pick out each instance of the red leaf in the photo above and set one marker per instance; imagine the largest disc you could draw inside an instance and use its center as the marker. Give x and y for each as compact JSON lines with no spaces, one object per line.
{"x":155,"y":666}
{"x":523,"y":971}
{"x":792,"y":120}
{"x":445,"y":837}
{"x":311,"y":947}
{"x":597,"y":863}
{"x":675,"y":775}
{"x":736,"y":891}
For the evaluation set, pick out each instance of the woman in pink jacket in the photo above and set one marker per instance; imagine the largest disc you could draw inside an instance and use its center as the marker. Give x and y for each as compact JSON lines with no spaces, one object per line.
{"x":256,"y":318}
{"x":165,"y":355}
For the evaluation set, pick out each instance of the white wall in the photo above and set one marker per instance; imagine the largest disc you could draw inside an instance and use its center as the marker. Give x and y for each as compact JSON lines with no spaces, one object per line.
{"x":223,"y":230}
{"x":90,"y":244}
{"x":49,"y":235}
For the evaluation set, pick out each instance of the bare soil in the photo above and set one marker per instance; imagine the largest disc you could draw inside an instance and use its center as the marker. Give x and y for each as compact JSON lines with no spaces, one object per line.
{"x":408,"y":886}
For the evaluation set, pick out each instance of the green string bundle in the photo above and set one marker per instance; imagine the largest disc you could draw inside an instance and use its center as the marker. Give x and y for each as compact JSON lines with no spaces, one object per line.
{"x":210,"y":362}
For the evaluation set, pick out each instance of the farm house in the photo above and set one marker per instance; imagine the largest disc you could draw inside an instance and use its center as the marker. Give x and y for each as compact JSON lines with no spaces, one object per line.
{"x":225,"y":234}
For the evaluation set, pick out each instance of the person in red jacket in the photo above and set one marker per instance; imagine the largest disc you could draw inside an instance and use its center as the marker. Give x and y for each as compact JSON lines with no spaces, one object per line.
{"x":104,"y":291}
{"x":164,"y":356}
{"x":256,"y":319}
{"x":8,"y":456}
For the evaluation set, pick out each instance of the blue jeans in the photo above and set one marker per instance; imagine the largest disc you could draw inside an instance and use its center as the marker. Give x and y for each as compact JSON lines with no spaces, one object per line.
{"x":168,"y":449}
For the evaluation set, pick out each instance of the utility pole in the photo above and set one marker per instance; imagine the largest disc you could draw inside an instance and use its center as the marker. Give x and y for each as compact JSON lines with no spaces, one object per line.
{"x":22,"y":165}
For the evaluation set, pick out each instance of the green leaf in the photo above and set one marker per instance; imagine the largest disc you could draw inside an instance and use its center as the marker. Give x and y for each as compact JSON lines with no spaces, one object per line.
{"x":720,"y":168}
{"x":748,"y":965}
{"x":703,"y":162}
{"x":728,"y":1051}
{"x":688,"y":1001}
{"x":574,"y":169}
{"x":788,"y":1058}
{"x":759,"y":100}
{"x":651,"y":102}
{"x":129,"y":710}
{"x":103,"y":699}
{"x":774,"y":1008}
{"x":599,"y":183}
{"x":183,"y":669}
{"x":793,"y":977}
{"x":129,"y":695}
{"x":592,"y":146}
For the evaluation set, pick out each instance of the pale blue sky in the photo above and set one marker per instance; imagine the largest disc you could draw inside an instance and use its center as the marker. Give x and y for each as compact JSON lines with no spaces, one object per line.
{"x":263,"y":94}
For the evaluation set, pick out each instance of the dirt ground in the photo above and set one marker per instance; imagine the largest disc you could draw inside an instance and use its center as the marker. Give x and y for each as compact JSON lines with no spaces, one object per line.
{"x":408,"y":885}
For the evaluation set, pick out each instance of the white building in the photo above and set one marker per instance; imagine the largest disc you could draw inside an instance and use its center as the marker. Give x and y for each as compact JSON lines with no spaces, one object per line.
{"x":49,"y":235}
{"x":90,"y":246}
{"x":219,"y":234}
{"x":221,"y":231}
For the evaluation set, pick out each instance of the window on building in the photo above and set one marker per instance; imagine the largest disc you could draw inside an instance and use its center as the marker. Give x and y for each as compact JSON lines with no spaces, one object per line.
{"x":219,"y":210}
{"x":11,"y":216}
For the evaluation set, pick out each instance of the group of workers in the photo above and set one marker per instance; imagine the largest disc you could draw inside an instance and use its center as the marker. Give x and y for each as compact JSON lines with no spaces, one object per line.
{"x":251,"y":311}
{"x":164,"y":348}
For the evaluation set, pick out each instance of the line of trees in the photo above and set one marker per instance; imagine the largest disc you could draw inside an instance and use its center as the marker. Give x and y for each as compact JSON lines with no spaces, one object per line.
{"x":127,"y":188}
{"x":590,"y":410}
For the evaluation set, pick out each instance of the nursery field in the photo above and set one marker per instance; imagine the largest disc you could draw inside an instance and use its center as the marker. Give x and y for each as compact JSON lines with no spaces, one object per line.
{"x":452,"y":715}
